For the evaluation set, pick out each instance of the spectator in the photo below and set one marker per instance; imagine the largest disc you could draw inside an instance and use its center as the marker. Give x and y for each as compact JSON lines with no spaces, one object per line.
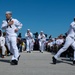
{"x":2,"y":44}
{"x":59,"y":41}
{"x":50,"y":45}
{"x":23,"y":46}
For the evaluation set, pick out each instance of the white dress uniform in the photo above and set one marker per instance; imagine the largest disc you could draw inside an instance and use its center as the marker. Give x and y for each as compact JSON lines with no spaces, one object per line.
{"x":70,"y":41}
{"x":2,"y":45}
{"x":32,"y":44}
{"x":28,"y":37}
{"x":42,"y":40}
{"x":11,"y":37}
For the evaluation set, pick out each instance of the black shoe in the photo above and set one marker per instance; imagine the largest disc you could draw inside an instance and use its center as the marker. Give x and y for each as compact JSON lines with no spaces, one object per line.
{"x":29,"y":51}
{"x":74,"y":62}
{"x":18,"y":57}
{"x":2,"y":56}
{"x":41,"y":52}
{"x":54,"y":60}
{"x":14,"y":62}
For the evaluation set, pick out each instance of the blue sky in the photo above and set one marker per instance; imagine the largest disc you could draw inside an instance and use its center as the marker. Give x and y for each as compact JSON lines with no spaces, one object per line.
{"x":51,"y":16}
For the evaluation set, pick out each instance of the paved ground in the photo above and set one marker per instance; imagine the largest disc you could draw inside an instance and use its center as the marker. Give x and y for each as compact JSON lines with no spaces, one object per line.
{"x":36,"y":63}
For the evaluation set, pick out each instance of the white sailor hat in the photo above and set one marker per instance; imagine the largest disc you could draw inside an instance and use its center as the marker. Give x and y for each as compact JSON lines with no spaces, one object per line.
{"x":41,"y":31}
{"x":8,"y":12}
{"x":28,"y":29}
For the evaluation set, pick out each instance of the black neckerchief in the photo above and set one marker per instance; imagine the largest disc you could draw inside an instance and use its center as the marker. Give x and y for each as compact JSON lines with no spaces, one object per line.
{"x":8,"y":20}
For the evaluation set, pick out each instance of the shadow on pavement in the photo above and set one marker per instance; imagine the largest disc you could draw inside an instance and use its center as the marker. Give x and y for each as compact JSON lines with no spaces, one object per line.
{"x":4,"y":60}
{"x":66,"y":61}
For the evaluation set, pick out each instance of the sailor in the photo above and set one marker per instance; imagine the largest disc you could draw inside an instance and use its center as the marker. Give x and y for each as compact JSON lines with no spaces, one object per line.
{"x":11,"y":27}
{"x":28,"y":36}
{"x":42,"y":40}
{"x":70,"y":41}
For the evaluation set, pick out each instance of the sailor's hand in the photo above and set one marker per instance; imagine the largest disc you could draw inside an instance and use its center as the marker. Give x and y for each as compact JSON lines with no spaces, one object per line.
{"x":29,"y":35}
{"x":16,"y":30}
{"x":10,"y":23}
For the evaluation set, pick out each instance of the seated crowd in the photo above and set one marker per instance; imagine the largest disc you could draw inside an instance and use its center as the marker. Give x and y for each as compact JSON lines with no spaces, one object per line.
{"x":54,"y":44}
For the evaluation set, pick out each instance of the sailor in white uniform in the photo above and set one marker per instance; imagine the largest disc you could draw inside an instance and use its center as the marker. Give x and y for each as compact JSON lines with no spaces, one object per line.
{"x":42,"y":40}
{"x":28,"y":36}
{"x":32,"y":44}
{"x":11,"y":26}
{"x":70,"y":41}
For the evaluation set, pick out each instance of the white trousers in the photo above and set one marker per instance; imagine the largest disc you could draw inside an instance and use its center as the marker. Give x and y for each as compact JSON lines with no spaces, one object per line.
{"x":69,"y":42}
{"x":42,"y":46}
{"x":3,"y":50}
{"x":11,"y":43}
{"x":29,"y":45}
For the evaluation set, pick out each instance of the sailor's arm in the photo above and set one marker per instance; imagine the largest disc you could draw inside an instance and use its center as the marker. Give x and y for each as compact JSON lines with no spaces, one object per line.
{"x":18,"y":24}
{"x":4,"y":25}
{"x":73,"y":25}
